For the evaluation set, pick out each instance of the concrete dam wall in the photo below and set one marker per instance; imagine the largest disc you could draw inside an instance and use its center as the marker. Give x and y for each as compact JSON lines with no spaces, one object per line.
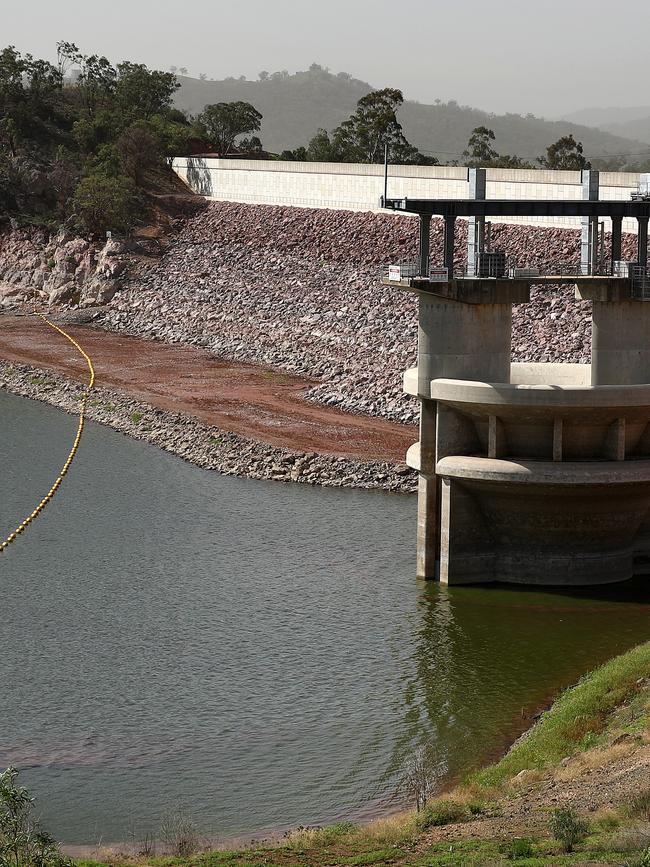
{"x":356,"y":187}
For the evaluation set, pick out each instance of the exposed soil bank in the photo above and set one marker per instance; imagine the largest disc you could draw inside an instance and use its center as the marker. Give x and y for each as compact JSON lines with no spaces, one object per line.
{"x":200,"y":443}
{"x":239,"y":398}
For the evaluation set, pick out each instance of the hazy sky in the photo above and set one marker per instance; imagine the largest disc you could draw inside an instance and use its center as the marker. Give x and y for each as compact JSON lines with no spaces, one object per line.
{"x":544,"y":56}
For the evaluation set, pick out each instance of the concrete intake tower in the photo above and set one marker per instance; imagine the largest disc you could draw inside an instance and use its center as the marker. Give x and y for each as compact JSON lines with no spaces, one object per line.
{"x":530,"y":473}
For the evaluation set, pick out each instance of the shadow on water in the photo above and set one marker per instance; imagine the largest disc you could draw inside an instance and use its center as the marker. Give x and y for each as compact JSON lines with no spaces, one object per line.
{"x":488,"y":659}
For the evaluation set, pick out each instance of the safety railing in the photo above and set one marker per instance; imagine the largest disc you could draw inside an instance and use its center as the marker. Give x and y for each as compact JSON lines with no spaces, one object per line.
{"x":640,"y":283}
{"x":499,"y":266}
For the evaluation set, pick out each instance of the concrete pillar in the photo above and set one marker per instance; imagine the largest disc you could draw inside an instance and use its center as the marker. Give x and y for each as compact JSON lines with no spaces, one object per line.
{"x":428,"y":520}
{"x":466,"y":549}
{"x":475,"y":225}
{"x":425,"y":239}
{"x":589,"y":236}
{"x":459,"y":341}
{"x":642,"y":242}
{"x":620,"y":344}
{"x":462,"y":341}
{"x":448,"y":255}
{"x":617,"y":234}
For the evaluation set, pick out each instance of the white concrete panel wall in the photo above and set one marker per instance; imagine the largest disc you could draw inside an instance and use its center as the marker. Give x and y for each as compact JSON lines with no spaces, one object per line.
{"x":353,"y":187}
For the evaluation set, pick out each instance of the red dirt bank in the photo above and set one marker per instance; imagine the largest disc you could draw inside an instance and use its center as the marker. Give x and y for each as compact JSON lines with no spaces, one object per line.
{"x":246,"y":399}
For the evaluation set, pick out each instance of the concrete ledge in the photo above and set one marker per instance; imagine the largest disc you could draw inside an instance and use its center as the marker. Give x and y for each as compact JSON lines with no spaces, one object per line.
{"x":413,"y":457}
{"x":488,"y":394}
{"x":468,"y":290}
{"x":564,"y":474}
{"x":539,"y":373}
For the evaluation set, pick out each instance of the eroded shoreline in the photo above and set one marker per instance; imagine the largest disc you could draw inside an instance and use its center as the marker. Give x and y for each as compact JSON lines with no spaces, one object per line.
{"x":205,"y":446}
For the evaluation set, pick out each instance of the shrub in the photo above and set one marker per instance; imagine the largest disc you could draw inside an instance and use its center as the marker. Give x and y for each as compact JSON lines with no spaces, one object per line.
{"x":180,"y":834}
{"x":567,"y":828}
{"x":22,"y":841}
{"x":441,"y":813}
{"x":101,"y":203}
{"x":519,"y":847}
{"x":639,"y":805}
{"x":421,"y":775}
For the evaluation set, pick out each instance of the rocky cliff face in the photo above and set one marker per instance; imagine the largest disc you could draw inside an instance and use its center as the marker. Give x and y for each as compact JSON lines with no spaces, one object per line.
{"x":58,"y":269}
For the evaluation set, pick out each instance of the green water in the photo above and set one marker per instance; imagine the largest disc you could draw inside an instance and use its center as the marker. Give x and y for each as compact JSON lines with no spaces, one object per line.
{"x":259,"y":654}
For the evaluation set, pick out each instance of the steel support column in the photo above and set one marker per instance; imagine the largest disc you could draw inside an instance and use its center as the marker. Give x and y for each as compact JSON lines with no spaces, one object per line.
{"x":589,"y":239}
{"x":617,"y":234}
{"x":475,"y":225}
{"x":642,"y":242}
{"x":450,"y":232}
{"x":425,"y":237}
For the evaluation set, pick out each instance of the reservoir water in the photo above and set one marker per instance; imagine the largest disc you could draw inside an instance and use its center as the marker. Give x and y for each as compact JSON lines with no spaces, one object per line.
{"x":257,"y":654}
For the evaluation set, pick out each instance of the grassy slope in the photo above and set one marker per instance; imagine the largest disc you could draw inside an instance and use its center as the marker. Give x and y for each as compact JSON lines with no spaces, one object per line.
{"x":587,"y":719}
{"x":295,"y":107}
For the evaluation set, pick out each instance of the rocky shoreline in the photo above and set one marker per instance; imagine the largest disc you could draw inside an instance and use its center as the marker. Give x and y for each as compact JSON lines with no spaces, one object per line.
{"x":203,"y":445}
{"x":297,"y":289}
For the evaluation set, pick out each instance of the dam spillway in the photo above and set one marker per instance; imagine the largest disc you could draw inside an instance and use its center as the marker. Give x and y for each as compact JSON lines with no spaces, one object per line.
{"x":530,"y":473}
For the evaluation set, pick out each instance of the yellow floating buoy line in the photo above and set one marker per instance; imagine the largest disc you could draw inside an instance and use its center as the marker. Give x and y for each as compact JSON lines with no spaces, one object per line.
{"x":75,"y":445}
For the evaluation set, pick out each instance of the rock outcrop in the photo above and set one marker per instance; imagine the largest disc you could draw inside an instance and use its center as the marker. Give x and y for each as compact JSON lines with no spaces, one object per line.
{"x":59,"y":269}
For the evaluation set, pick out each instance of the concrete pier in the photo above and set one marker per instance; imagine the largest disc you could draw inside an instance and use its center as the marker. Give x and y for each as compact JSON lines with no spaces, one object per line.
{"x":537,"y":473}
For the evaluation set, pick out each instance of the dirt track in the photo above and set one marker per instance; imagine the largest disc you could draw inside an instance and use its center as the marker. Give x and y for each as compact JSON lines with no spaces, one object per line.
{"x":241,"y":398}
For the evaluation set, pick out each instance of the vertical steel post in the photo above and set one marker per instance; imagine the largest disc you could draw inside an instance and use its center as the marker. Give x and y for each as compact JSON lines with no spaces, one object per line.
{"x":425,"y":235}
{"x":617,"y":236}
{"x":448,"y":258}
{"x":475,"y":225}
{"x":385,"y":171}
{"x":589,"y":239}
{"x":642,"y":242}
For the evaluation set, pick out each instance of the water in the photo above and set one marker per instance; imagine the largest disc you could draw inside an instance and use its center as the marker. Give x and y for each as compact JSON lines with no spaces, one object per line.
{"x":258,"y":654}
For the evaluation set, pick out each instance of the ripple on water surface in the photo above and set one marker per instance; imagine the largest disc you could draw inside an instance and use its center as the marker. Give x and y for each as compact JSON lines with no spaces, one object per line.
{"x":256,"y":652}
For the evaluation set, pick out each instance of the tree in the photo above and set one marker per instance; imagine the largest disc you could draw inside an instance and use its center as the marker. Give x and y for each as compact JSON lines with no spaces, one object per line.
{"x":29,"y":100}
{"x":203,"y":76}
{"x":96,"y":82}
{"x":565,"y":153}
{"x":263,"y":75}
{"x":479,"y":150}
{"x":374,"y":124}
{"x":138,"y":150}
{"x":64,"y":177}
{"x":142,"y":92}
{"x":183,"y":70}
{"x":22,"y":842}
{"x":222,"y":122}
{"x":321,"y":149}
{"x":250,"y":145}
{"x":101,"y":203}
{"x":506,"y":161}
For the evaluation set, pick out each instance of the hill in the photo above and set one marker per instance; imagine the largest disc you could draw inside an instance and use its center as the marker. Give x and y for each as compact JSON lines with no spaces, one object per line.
{"x":603,"y":118}
{"x":295,"y":106}
{"x":632,"y":122}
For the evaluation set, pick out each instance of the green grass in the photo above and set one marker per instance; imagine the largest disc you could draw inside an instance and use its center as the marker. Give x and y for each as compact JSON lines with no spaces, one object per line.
{"x":576,"y":718}
{"x":136,"y":417}
{"x":38,"y":380}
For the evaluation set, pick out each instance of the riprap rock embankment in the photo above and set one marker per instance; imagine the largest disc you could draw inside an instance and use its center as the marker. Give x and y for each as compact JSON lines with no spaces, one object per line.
{"x":300,"y":289}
